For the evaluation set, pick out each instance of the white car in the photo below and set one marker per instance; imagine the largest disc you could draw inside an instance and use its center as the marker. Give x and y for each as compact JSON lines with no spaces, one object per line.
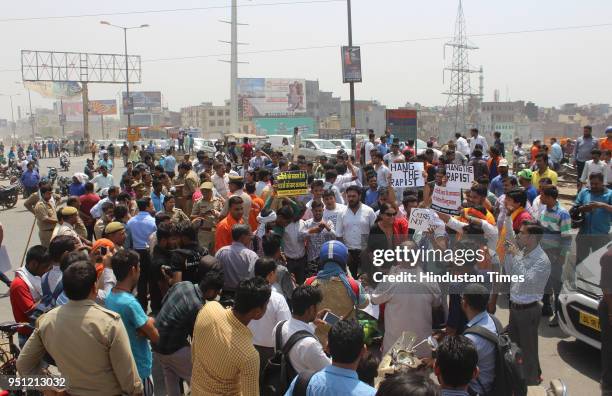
{"x":205,"y":145}
{"x":579,"y":299}
{"x":344,"y":144}
{"x":421,"y":146}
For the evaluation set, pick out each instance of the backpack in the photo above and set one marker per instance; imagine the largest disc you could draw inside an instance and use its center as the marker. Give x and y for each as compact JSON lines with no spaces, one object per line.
{"x":48,"y":300}
{"x":278,"y":372}
{"x":509,"y":376}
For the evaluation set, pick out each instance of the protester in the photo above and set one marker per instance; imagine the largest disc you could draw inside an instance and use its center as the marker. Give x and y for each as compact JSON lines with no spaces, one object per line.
{"x":582,"y":151}
{"x":456,"y":365}
{"x":346,"y":348}
{"x":224,"y":359}
{"x":139,"y":326}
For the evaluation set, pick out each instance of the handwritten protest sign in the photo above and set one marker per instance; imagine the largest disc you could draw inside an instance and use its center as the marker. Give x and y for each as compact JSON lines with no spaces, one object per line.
{"x":290,"y":184}
{"x":446,"y":200}
{"x":419,"y":219}
{"x":459,"y":176}
{"x":406,"y":174}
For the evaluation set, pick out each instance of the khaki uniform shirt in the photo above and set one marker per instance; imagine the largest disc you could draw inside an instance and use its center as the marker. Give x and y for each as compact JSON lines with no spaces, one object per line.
{"x":192,"y":182}
{"x":43,"y":211}
{"x":99,"y":228}
{"x":90,"y":346}
{"x":201,"y":207}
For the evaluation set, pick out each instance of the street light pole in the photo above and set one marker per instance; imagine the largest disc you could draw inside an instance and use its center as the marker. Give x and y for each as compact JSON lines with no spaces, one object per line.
{"x":127,"y":78}
{"x":127,"y":69}
{"x":351,"y":84}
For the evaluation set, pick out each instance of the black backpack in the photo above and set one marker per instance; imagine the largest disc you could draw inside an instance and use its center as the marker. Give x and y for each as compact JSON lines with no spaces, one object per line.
{"x":278,"y":372}
{"x":509,"y":376}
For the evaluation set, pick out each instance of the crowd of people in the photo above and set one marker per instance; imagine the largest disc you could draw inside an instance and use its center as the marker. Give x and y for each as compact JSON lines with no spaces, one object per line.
{"x":203,"y":266}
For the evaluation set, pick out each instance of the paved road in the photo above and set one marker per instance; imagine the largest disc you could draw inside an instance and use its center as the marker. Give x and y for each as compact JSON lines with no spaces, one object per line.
{"x":561,"y":357}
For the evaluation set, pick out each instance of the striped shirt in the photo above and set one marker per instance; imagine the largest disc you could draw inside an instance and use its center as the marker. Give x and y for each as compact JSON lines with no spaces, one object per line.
{"x":557,"y":224}
{"x":224,"y":359}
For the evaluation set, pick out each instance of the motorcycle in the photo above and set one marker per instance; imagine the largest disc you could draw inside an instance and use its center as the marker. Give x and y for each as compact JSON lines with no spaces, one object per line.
{"x":62,"y":185}
{"x":9,"y":196}
{"x":51,"y":175}
{"x":65,"y":163}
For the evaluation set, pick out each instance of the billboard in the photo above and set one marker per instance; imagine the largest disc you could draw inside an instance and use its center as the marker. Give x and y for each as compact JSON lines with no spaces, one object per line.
{"x":284,"y":126}
{"x":403,"y":124}
{"x":144,"y":101}
{"x":58,"y":90}
{"x":103,"y":107}
{"x":260,"y":97}
{"x":73,"y":111}
{"x":351,"y":64}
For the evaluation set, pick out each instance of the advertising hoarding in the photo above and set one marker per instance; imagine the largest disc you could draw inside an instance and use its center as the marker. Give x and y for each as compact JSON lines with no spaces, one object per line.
{"x":260,"y":97}
{"x":403,"y":124}
{"x":284,"y":125}
{"x":103,"y":107}
{"x":144,"y":101}
{"x":351,"y":64}
{"x":73,"y":111}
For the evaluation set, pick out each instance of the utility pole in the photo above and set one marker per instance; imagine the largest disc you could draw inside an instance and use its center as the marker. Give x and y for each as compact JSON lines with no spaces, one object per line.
{"x":32,"y":119}
{"x":234,"y":70}
{"x":127,"y":79}
{"x":85,"y":111}
{"x":351,"y":84}
{"x":62,"y":117}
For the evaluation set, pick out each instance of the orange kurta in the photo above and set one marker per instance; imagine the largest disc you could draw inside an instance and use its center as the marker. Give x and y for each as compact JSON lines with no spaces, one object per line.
{"x":223,"y":233}
{"x":256,"y":207}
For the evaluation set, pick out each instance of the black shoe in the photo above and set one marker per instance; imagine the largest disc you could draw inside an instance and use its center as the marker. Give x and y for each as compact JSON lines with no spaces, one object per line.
{"x":547,"y":310}
{"x":554,"y":322}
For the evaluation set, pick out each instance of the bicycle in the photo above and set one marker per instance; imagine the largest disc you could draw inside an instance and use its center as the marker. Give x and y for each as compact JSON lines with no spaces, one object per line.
{"x":9,"y":351}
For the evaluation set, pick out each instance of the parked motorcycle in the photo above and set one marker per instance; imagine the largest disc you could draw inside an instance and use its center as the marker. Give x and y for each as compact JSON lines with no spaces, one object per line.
{"x":62,"y":185}
{"x":51,"y":175}
{"x":9,"y":196}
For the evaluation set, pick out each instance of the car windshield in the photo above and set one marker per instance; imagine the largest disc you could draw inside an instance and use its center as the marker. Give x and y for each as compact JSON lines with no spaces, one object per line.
{"x":325,"y":144}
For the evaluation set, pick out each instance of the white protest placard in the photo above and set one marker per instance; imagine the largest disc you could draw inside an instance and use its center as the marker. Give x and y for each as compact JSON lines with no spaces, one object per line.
{"x":446,"y":200}
{"x":406,"y":174}
{"x":459,"y":176}
{"x":420,"y":219}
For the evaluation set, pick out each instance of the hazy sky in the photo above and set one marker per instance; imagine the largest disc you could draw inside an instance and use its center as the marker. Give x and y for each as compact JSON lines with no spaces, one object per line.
{"x":549,"y":68}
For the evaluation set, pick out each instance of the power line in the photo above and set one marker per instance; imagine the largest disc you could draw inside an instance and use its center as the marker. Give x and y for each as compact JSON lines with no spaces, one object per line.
{"x":433,"y":38}
{"x":168,"y":10}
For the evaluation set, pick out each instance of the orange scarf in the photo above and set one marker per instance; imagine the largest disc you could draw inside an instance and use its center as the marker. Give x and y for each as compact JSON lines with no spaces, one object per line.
{"x":501,"y":247}
{"x":488,"y":217}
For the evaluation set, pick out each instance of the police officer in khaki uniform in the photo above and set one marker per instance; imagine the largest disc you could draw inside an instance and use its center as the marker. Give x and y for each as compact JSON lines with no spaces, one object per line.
{"x":46,"y":216}
{"x":205,"y":213}
{"x":189,"y":182}
{"x":89,"y":343}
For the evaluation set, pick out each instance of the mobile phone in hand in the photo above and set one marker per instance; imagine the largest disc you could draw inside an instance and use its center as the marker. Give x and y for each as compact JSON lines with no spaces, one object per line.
{"x":330,"y":318}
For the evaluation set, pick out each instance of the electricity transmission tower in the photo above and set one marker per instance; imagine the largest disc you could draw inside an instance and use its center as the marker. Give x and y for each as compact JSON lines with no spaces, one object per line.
{"x":460,"y":90}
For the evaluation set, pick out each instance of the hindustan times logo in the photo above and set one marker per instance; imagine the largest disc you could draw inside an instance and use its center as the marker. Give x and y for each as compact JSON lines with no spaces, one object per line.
{"x":409,"y":256}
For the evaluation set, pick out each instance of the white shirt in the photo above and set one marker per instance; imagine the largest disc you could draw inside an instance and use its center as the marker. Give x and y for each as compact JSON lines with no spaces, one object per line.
{"x":259,"y":187}
{"x":293,"y":240}
{"x":382,"y":173}
{"x":369,"y":146}
{"x":307,"y":354}
{"x":419,"y":296}
{"x":102,"y":182}
{"x":54,"y":276}
{"x":479,"y":139}
{"x":332,"y":215}
{"x":591,"y":167}
{"x":220,"y":184}
{"x":537,"y":208}
{"x":65,"y":229}
{"x":462,"y":146}
{"x":354,"y":228}
{"x":339,"y":199}
{"x":390,"y":157}
{"x":491,"y":232}
{"x":276,"y":311}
